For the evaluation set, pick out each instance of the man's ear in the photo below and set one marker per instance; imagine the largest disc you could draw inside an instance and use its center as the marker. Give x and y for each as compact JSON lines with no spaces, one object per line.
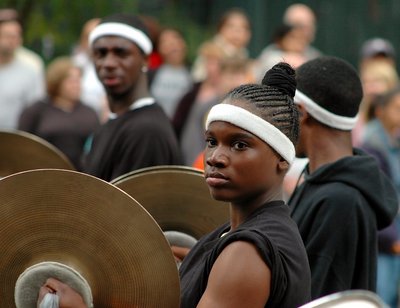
{"x":302,"y":112}
{"x":304,"y":116}
{"x":146,"y":61}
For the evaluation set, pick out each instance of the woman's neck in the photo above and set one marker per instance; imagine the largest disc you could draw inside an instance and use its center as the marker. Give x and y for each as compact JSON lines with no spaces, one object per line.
{"x":240,"y":211}
{"x":64,"y":103}
{"x":208,"y":91}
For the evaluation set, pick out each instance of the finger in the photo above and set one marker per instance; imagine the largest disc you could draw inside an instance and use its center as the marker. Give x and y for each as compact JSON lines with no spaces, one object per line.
{"x":43,"y":291}
{"x":52,"y":285}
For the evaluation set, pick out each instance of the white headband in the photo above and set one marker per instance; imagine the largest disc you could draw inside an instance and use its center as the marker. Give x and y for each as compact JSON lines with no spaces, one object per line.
{"x":255,"y":125}
{"x":114,"y":28}
{"x":324,"y":116}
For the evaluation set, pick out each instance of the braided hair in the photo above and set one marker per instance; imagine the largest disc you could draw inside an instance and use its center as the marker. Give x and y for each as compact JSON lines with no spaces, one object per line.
{"x":273,"y":99}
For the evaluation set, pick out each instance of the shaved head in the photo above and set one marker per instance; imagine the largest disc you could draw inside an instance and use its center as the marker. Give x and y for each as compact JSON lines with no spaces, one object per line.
{"x":301,"y":15}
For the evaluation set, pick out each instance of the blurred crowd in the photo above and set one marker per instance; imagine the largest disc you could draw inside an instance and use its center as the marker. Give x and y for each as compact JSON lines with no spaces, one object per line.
{"x":65,"y":103}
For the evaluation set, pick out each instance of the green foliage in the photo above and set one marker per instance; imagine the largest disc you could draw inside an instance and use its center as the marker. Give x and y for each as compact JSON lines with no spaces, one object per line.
{"x":193,"y":32}
{"x":52,"y":28}
{"x":342,"y":25}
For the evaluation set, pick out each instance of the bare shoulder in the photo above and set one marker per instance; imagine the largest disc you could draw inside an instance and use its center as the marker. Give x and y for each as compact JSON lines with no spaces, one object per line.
{"x":238,"y":278}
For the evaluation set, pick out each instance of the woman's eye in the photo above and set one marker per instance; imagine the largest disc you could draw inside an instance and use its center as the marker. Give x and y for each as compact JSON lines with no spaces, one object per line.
{"x":239,"y":145}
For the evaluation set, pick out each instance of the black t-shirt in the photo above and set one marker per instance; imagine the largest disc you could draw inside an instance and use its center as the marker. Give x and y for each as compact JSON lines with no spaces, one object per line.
{"x":66,"y":130}
{"x":137,"y":139}
{"x":277,"y":238}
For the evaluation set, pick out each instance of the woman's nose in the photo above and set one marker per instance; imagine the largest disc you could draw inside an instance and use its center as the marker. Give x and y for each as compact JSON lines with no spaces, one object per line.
{"x":216,"y":157}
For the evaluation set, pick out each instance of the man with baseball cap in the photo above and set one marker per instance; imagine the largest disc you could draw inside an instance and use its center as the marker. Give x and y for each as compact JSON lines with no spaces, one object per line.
{"x":344,"y":198}
{"x":138,"y":133}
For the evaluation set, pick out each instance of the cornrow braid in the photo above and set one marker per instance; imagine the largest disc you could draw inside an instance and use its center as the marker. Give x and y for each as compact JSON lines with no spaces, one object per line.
{"x":272,"y":105}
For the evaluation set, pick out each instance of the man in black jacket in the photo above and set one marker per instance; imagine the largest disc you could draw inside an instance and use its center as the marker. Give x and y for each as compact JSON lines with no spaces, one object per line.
{"x":343,"y":198}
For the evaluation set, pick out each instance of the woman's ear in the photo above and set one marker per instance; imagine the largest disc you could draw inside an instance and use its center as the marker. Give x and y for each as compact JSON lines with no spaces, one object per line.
{"x":283,"y":165}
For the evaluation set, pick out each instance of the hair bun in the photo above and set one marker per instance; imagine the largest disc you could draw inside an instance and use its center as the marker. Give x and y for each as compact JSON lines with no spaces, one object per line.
{"x":282,"y":77}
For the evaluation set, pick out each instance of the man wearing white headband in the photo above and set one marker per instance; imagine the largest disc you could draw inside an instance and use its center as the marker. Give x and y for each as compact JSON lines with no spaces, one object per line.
{"x":138,"y":134}
{"x":344,"y":198}
{"x":257,"y":259}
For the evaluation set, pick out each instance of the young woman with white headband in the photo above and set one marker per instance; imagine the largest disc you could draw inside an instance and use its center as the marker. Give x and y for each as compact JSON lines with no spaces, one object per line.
{"x":257,"y":259}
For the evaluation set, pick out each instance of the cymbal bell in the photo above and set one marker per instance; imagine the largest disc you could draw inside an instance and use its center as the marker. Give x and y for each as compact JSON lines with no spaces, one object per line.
{"x":177,"y":197}
{"x":90,"y":225}
{"x":21,"y":151}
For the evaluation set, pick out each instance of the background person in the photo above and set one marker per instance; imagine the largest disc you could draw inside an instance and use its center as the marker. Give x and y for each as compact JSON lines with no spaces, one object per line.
{"x":172,"y":79}
{"x":377,"y":49}
{"x":92,"y":93}
{"x":302,"y":16}
{"x":288,"y":45}
{"x":201,"y":92}
{"x":381,"y":139}
{"x":233,"y":73}
{"x":62,"y":119}
{"x":21,"y":84}
{"x":378,"y":77}
{"x":232,"y":36}
{"x":22,"y":53}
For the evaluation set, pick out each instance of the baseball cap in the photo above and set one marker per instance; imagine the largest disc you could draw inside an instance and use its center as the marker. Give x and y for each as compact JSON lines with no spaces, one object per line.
{"x":377,"y":47}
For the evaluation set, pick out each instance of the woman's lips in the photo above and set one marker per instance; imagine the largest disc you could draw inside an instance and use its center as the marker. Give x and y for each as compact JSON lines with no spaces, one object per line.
{"x":215,"y":182}
{"x":216,"y":179}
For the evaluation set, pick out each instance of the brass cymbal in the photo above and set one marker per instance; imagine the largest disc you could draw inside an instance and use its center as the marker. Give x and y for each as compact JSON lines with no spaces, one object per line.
{"x":21,"y":151}
{"x":90,"y":225}
{"x":177,"y":197}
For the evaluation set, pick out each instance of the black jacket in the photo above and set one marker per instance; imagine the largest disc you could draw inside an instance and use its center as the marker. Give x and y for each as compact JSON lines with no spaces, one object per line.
{"x":339,"y":209}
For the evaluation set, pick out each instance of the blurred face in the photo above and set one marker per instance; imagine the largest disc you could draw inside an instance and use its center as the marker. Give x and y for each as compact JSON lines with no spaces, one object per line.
{"x":70,"y":88}
{"x":390,"y":115}
{"x":236,"y":30}
{"x":239,"y":167}
{"x":172,"y":47}
{"x":118,"y":64}
{"x":231,"y":80}
{"x":213,"y":67}
{"x":10,"y":38}
{"x":303,"y":17}
{"x":294,"y":41}
{"x":373,"y":85}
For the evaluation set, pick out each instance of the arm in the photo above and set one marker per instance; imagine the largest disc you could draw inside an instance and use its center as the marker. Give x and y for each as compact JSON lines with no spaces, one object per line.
{"x":179,"y":252}
{"x":238,"y":278}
